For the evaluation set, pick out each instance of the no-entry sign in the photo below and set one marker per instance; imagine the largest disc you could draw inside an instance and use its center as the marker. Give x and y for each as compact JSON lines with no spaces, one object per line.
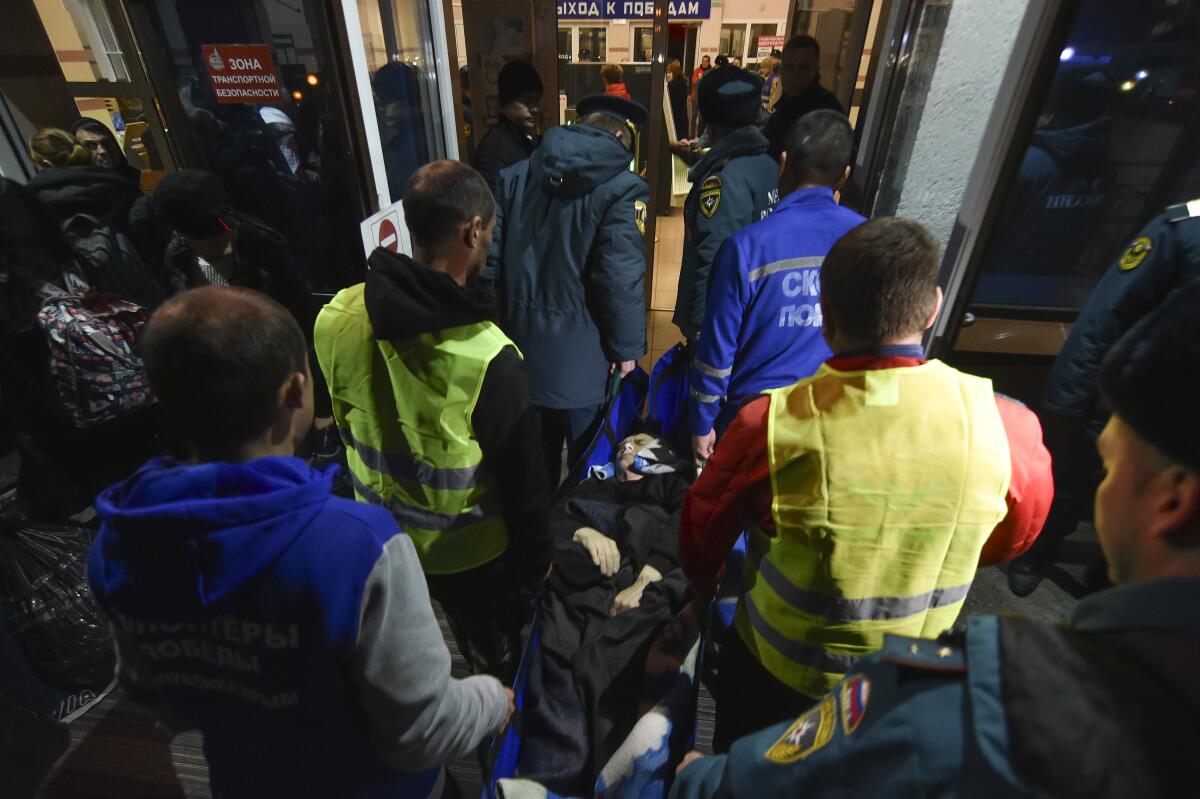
{"x":242,"y":73}
{"x":386,"y":229}
{"x":389,"y":239}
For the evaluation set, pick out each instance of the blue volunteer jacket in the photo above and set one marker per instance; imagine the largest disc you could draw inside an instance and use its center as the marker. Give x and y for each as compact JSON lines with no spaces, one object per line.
{"x":762,"y":329}
{"x":237,"y":595}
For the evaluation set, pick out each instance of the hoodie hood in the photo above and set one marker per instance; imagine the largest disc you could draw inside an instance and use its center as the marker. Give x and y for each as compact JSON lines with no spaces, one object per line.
{"x":574,"y":159}
{"x":178,"y":539}
{"x":406,"y":299}
{"x":1076,"y":149}
{"x":93,"y":190}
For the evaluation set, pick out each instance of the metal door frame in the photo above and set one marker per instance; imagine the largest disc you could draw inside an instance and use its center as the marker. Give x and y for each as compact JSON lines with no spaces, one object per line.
{"x":883,"y":90}
{"x":140,"y":85}
{"x":1043,"y":33}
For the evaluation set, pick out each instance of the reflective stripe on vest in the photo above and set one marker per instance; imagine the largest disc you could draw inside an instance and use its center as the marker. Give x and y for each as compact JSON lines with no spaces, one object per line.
{"x":404,"y":410}
{"x":886,"y":486}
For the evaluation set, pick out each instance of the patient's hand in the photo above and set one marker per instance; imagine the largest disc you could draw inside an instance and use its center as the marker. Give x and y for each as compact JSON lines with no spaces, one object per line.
{"x":631,"y":597}
{"x":603,"y":549}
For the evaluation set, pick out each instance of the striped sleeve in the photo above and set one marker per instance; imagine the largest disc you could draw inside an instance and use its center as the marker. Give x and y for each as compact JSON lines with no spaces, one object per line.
{"x":712,"y":364}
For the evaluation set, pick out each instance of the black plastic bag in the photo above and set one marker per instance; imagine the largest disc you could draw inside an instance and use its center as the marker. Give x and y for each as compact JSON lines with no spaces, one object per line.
{"x":48,"y":607}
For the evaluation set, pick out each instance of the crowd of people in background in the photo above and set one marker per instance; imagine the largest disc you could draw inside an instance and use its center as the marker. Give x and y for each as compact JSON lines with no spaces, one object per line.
{"x":190,"y":365}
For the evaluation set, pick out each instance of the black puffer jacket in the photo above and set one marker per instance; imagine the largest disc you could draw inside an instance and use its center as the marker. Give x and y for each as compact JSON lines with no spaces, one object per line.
{"x":112,"y":199}
{"x":263,"y":263}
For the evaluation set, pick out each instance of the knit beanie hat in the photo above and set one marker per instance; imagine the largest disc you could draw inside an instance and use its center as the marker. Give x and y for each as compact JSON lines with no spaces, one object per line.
{"x":518,"y":78}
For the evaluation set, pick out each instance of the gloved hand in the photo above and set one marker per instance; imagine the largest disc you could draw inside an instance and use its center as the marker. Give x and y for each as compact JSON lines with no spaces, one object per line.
{"x":603,"y":549}
{"x":631,"y":597}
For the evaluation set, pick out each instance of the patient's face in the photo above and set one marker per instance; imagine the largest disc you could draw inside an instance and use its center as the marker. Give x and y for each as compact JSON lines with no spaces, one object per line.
{"x":627,"y":452}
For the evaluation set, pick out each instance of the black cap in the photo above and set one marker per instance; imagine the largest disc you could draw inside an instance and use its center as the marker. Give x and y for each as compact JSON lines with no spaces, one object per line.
{"x":1144,"y":377}
{"x":614,"y":106}
{"x":518,"y":78}
{"x":396,"y":81}
{"x":194,"y":203}
{"x":730,"y":97}
{"x":90,"y":125}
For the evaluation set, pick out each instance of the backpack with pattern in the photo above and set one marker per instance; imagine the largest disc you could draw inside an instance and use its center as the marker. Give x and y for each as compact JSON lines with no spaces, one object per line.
{"x":95,"y":374}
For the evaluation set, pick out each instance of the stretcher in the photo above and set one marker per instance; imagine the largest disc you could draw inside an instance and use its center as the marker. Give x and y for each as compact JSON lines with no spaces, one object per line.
{"x":666,"y":418}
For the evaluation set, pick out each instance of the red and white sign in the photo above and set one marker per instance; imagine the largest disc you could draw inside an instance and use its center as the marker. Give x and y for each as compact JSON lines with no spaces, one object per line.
{"x":768,"y":43}
{"x":389,"y":239}
{"x":242,"y":73}
{"x":386,"y":229}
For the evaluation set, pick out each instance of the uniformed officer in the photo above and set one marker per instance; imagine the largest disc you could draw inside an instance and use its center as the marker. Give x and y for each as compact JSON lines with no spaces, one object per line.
{"x":733,"y":184}
{"x":1164,"y":256}
{"x":568,"y":261}
{"x":1103,"y":706}
{"x":762,"y":326}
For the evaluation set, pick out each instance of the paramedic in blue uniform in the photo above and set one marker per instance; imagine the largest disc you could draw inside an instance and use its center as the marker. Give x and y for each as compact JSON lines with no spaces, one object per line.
{"x":568,"y":262}
{"x":1104,"y":705}
{"x":734,"y":184}
{"x":1163,"y":257}
{"x":762,"y":329}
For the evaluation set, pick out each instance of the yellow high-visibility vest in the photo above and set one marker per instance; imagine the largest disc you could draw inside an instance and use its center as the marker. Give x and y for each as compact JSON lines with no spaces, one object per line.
{"x":404,"y":411}
{"x":886,"y":486}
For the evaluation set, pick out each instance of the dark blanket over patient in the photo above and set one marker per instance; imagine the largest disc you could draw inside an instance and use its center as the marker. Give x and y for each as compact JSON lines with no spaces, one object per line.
{"x":585,"y":684}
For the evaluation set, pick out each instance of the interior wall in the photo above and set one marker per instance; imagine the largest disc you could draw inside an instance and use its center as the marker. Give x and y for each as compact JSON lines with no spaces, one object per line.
{"x":978,"y":43}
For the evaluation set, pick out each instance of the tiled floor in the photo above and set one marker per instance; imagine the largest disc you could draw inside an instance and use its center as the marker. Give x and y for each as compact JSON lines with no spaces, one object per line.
{"x":668,"y":253}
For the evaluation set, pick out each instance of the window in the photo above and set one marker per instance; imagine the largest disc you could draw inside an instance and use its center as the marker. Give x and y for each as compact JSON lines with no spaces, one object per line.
{"x":564,"y":45}
{"x":643,"y":43}
{"x":756,"y":30}
{"x":593,"y":45}
{"x":403,"y":76}
{"x":90,"y":32}
{"x":733,"y":40}
{"x":1110,"y":150}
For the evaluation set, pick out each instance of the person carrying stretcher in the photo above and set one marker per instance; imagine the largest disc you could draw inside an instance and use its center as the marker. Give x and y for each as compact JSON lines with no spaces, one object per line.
{"x":875,"y":488}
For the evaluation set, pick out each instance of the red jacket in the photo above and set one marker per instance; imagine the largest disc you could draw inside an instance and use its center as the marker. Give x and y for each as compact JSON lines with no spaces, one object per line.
{"x":734,"y":490}
{"x":618,"y":89}
{"x":696,"y":75}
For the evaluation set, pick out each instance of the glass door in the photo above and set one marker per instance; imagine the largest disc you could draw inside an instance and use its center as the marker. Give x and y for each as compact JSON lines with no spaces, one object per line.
{"x":263,"y":96}
{"x":107,"y":80}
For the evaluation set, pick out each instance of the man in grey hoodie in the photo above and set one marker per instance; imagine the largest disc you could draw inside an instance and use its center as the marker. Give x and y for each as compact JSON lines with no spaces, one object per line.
{"x":290,"y":626}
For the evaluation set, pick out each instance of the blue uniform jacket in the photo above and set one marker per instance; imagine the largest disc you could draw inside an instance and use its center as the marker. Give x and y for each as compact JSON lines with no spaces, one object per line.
{"x":1163,"y":257}
{"x":923,"y":718}
{"x":568,"y":263}
{"x":733,"y":184}
{"x":762,"y":329}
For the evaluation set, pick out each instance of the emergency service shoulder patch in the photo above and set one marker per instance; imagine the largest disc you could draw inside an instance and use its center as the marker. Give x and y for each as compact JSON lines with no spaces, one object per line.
{"x":710,"y":196}
{"x":639,"y":216}
{"x":1135,"y":253}
{"x":856,"y":691}
{"x":811,"y":732}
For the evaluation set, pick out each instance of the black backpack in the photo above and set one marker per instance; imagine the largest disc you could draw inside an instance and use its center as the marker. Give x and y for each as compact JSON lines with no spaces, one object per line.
{"x":110,"y":262}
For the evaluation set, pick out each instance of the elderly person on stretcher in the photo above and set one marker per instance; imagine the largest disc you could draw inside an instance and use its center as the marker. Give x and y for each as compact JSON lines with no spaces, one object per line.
{"x":626,"y":510}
